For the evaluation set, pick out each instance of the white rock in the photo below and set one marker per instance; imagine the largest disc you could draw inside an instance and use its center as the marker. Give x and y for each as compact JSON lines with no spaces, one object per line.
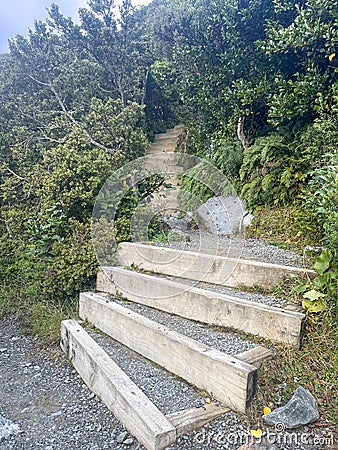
{"x":224,"y":215}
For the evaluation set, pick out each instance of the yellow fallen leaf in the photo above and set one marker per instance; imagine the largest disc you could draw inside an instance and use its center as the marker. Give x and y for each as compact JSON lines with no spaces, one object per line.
{"x":256,"y":433}
{"x":332,"y":56}
{"x":266,"y":410}
{"x":207,"y":400}
{"x":270,"y":404}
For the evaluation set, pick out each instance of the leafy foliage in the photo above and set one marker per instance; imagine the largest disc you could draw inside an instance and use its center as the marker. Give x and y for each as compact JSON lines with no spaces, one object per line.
{"x":321,"y":197}
{"x":254,"y":81}
{"x":321,"y":293}
{"x":67,"y":125}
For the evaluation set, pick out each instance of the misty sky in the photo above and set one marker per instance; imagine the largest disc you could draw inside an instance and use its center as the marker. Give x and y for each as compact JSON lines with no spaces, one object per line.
{"x":16,"y":16}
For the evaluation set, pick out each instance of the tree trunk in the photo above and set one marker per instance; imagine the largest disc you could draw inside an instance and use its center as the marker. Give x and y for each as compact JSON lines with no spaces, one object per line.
{"x":240,"y":132}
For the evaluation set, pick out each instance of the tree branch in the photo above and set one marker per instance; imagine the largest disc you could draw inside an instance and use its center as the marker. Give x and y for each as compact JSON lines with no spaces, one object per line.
{"x":74,"y":121}
{"x":13,"y":173}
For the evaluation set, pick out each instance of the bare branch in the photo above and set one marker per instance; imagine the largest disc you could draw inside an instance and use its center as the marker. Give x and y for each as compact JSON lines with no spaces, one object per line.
{"x":15,"y":174}
{"x":71,"y":118}
{"x":37,"y":81}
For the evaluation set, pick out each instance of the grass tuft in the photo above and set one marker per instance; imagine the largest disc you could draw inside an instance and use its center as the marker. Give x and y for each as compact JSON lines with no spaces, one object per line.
{"x":38,"y":317}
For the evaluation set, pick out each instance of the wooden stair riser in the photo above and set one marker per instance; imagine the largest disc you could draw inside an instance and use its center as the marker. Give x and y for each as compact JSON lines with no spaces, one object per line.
{"x":161,"y":147}
{"x":163,"y":159}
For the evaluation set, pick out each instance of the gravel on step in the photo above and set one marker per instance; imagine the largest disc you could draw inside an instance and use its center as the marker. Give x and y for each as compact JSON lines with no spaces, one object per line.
{"x":268,"y":300}
{"x":227,"y":342}
{"x":169,"y":393}
{"x":234,"y":247}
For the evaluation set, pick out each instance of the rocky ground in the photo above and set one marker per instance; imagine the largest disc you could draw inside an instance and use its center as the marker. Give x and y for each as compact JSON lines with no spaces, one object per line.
{"x":53,"y":409}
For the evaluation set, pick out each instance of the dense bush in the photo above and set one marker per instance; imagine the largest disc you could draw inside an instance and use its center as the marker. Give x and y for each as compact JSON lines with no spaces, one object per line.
{"x":321,"y":197}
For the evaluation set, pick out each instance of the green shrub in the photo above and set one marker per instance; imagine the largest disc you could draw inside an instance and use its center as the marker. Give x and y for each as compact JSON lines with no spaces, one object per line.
{"x":321,"y":197}
{"x":272,"y":173}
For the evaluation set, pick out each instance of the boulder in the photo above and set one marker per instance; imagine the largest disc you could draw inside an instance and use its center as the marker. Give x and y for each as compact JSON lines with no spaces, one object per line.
{"x":223,"y":215}
{"x":300,"y":410}
{"x":177,"y":223}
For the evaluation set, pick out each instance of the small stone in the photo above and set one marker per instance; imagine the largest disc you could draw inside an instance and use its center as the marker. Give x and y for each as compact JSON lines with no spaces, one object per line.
{"x":300,"y":410}
{"x":122,"y":437}
{"x":128,"y":441}
{"x":7,"y":428}
{"x":3,"y":350}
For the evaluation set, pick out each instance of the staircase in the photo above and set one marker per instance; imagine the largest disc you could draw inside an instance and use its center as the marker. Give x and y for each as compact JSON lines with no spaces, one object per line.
{"x":179,"y":316}
{"x":162,"y":158}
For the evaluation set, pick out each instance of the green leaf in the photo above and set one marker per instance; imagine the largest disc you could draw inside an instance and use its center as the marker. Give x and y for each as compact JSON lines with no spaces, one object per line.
{"x":314,"y":307}
{"x":300,"y":289}
{"x":313,"y":295}
{"x":323,"y":261}
{"x":322,"y":281}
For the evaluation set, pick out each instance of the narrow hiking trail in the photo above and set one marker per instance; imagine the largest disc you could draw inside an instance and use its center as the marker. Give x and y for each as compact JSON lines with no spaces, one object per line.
{"x":158,"y":357}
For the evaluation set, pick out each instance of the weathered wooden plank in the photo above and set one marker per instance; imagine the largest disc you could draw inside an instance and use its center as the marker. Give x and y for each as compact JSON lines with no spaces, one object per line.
{"x":191,"y":419}
{"x":232,"y":272}
{"x":255,"y":356}
{"x":128,"y":403}
{"x":203,"y":305}
{"x":230,"y":380}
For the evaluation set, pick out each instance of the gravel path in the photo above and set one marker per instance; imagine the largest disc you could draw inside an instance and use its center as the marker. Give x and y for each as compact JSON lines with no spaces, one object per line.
{"x":233,"y":247}
{"x":224,"y":341}
{"x":42,"y":394}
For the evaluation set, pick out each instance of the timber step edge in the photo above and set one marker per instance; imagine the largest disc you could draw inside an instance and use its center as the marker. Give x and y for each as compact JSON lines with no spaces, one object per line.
{"x":105,"y":378}
{"x":220,"y":270}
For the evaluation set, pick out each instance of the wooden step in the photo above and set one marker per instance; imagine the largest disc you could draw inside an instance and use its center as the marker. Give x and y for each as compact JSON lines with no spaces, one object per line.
{"x":229,"y":379}
{"x":167,"y":158}
{"x":203,"y":305}
{"x":221,"y":270}
{"x":160,"y":167}
{"x":128,"y":403}
{"x":172,"y":135}
{"x":165,"y":140}
{"x":158,"y":148}
{"x":124,"y":398}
